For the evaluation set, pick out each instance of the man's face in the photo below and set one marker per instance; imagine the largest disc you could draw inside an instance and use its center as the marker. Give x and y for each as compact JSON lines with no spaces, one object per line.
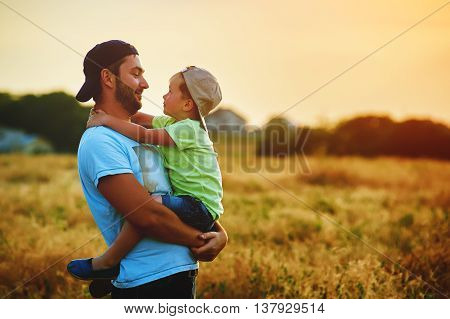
{"x":130,"y":84}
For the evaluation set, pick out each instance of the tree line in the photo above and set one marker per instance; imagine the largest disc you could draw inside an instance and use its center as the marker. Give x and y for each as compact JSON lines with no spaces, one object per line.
{"x":57,"y":117}
{"x":367,"y":136}
{"x":60,"y":119}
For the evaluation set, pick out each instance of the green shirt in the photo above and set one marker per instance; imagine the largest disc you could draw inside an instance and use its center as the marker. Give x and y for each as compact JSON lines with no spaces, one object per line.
{"x":192,"y":164}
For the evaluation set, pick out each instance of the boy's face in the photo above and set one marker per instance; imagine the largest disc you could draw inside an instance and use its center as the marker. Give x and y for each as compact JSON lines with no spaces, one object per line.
{"x":174,"y":101}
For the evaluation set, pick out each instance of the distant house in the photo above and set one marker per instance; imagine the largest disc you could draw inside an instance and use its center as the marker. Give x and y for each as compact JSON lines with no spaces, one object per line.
{"x":280,"y":122}
{"x":17,"y":141}
{"x":225,"y":120}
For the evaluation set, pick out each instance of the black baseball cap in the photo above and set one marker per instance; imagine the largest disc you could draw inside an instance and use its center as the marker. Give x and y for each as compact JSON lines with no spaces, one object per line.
{"x":101,"y":57}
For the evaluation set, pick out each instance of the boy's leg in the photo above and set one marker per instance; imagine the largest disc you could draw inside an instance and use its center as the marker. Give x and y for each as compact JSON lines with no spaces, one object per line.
{"x":124,"y":243}
{"x":99,"y":288}
{"x":190,"y":210}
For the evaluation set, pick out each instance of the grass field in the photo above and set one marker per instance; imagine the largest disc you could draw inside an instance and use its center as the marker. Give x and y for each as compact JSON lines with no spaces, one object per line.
{"x":284,"y":242}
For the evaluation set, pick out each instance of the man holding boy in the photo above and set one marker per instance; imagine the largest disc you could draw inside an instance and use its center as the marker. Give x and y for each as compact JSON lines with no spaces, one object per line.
{"x":111,"y":169}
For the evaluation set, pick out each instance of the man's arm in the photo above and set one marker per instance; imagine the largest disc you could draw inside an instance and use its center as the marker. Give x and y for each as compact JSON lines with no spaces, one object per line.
{"x":143,"y":119}
{"x":152,"y":219}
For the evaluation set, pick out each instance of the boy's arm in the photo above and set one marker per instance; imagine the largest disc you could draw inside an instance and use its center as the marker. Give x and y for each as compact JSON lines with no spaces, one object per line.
{"x":131,"y":130}
{"x":143,"y":119}
{"x":139,"y":133}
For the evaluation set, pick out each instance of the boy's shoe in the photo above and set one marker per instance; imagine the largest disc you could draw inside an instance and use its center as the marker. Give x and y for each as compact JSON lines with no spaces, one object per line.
{"x":82,"y":269}
{"x":100,"y":288}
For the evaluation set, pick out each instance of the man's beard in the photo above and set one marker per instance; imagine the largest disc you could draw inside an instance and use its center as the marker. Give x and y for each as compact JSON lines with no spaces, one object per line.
{"x":125,"y":95}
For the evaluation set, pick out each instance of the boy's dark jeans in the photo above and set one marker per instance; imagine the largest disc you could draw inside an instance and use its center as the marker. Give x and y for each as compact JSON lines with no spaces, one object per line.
{"x":177,"y":286}
{"x":190,"y":210}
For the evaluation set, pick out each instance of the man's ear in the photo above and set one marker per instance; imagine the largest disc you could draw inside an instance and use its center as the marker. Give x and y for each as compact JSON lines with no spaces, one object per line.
{"x":107,"y":78}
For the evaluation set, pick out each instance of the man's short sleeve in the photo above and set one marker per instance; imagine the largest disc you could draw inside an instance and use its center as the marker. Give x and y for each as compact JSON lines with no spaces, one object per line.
{"x":162,"y":121}
{"x":102,"y":155}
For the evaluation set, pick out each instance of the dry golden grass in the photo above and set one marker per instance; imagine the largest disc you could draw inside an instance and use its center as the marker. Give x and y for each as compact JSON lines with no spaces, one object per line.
{"x":279,"y":247}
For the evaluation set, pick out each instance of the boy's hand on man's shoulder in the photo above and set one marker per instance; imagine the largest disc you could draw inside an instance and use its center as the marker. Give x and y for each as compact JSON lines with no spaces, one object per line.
{"x":97,"y":118}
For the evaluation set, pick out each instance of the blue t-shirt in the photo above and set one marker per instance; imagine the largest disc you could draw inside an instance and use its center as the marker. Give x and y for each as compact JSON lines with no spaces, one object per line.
{"x":104,"y":152}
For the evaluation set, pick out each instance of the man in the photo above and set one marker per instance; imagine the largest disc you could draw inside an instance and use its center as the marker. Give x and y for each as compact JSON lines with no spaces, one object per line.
{"x":113,"y":170}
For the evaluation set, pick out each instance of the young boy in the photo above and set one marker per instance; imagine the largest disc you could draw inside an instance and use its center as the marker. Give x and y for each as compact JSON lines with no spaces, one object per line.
{"x":189,"y":158}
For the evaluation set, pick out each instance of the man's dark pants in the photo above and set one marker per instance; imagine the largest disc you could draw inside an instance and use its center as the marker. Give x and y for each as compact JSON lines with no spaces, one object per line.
{"x":177,"y":286}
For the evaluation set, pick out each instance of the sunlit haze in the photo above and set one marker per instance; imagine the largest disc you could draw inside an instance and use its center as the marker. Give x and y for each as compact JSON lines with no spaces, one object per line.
{"x":267,"y":55}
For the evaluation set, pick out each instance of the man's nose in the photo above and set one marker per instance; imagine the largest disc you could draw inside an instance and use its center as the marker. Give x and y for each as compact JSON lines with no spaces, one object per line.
{"x":144,"y":84}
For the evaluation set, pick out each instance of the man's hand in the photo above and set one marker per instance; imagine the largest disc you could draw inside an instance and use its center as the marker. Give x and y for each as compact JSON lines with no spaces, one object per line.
{"x":215,"y":242}
{"x":97,"y":118}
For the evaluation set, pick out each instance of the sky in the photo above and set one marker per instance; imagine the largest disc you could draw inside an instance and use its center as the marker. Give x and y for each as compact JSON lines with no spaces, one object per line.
{"x":267,"y":55}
